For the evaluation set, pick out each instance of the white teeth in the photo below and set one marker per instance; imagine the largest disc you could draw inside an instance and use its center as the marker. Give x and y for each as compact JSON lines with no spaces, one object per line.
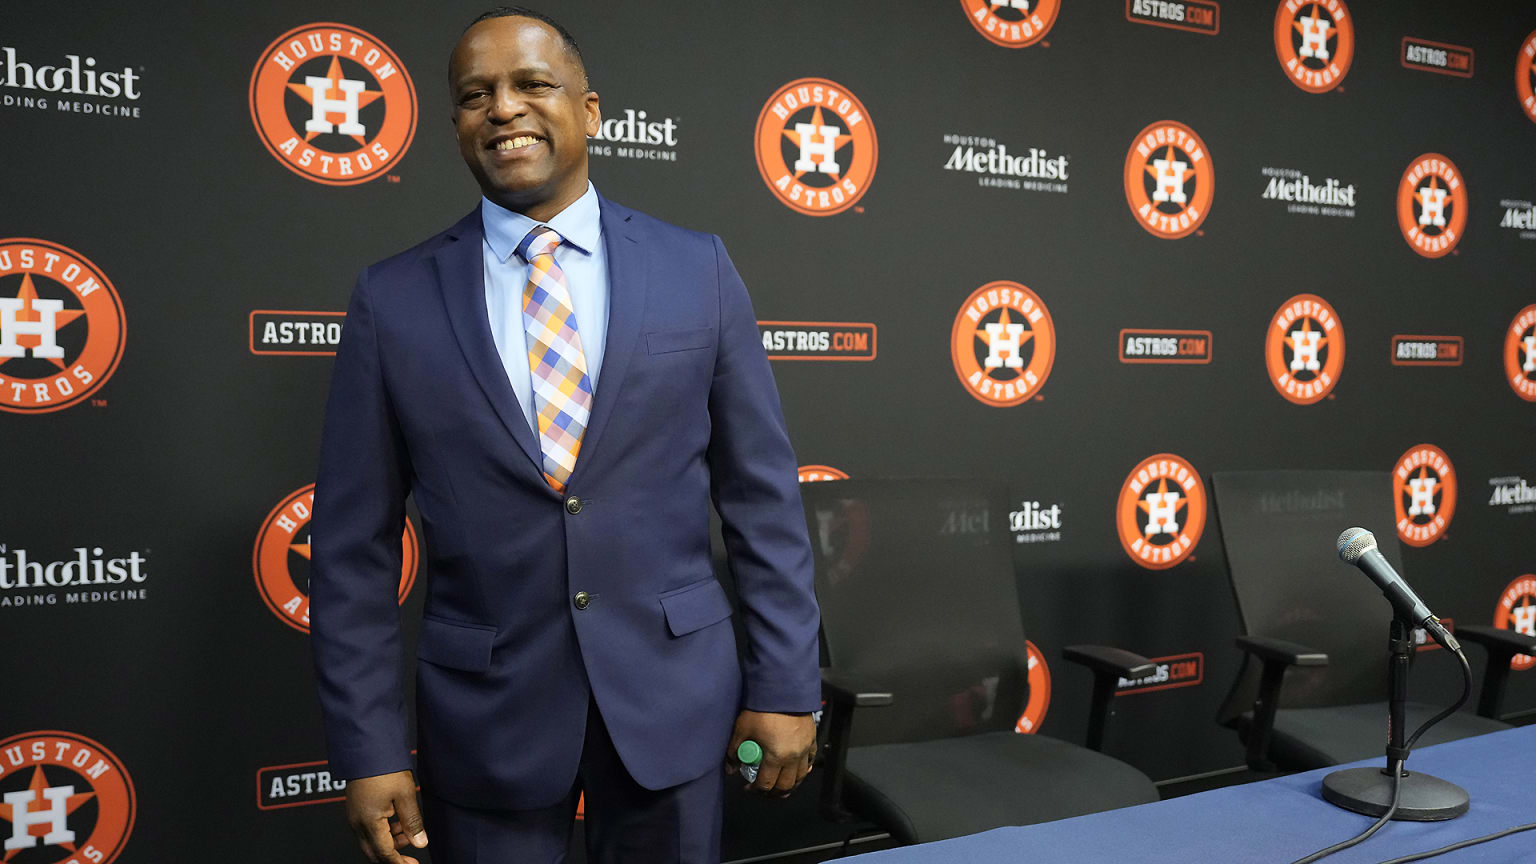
{"x":517,"y":143}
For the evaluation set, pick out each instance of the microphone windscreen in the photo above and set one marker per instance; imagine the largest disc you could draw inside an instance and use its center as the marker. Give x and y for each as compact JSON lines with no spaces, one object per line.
{"x":1354,"y":542}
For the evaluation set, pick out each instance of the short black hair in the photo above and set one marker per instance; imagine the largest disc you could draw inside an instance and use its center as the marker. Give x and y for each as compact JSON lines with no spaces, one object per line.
{"x":525,"y":12}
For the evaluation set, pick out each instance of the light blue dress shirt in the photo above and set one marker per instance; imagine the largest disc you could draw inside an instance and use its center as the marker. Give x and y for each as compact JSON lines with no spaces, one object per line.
{"x":585,"y":263}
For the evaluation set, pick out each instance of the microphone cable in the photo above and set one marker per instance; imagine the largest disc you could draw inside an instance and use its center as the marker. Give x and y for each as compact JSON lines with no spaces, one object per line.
{"x":1397,"y":777}
{"x":1420,"y":856}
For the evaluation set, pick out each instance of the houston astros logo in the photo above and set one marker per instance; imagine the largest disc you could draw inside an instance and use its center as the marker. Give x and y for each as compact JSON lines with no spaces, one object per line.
{"x":61,"y":326}
{"x":816,"y":147}
{"x":1169,"y":179}
{"x":1161,"y":511}
{"x":1517,"y":612}
{"x":1525,"y":74}
{"x":1424,"y":493}
{"x":1003,"y":343}
{"x":281,"y":559}
{"x":1039,"y":691}
{"x":1012,"y":23}
{"x":1431,"y":205}
{"x":67,"y":800}
{"x":1315,"y":41}
{"x":333,"y":104}
{"x":818,"y":473}
{"x":1519,"y":353}
{"x":1304,"y":350}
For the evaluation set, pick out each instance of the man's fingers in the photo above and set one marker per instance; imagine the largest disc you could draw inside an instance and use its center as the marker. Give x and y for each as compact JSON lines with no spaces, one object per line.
{"x":381,"y":847}
{"x":767,"y":775}
{"x":408,"y":811}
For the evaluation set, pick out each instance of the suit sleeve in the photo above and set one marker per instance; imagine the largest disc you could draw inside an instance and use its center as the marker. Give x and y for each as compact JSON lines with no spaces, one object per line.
{"x":359,"y":515}
{"x":753,"y":481}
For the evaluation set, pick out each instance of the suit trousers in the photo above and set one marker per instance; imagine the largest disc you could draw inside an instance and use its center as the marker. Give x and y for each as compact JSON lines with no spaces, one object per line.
{"x":624,"y":821}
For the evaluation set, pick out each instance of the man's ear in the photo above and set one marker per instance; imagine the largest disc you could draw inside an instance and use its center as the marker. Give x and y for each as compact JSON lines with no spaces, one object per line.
{"x":594,"y":114}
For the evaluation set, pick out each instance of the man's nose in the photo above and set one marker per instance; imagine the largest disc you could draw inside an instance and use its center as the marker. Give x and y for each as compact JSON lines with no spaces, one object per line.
{"x":506,"y":105}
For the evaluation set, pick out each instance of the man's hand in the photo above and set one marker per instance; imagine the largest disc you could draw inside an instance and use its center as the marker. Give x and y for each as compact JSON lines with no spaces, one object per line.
{"x":789,"y":747}
{"x":385,"y":816}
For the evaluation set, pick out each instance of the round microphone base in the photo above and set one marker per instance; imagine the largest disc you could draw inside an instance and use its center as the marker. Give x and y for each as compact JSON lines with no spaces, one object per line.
{"x":1424,"y":798}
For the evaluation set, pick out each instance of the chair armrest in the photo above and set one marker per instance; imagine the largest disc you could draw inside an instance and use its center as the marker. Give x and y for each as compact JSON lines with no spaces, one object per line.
{"x":1270,"y":650}
{"x":843,"y":694}
{"x":841,"y":690}
{"x":1103,"y":659}
{"x":1109,"y":665}
{"x":1493,"y":639}
{"x":1277,"y":656}
{"x":1501,"y":645}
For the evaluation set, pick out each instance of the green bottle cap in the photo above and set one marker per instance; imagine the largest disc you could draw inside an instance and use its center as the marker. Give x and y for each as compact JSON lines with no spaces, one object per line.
{"x":749,"y":752}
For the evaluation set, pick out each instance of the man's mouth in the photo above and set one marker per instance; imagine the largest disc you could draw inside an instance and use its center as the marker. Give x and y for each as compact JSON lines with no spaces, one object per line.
{"x":514,"y":142}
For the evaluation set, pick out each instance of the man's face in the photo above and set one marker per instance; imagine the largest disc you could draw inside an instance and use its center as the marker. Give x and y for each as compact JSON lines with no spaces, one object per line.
{"x":522,"y":114}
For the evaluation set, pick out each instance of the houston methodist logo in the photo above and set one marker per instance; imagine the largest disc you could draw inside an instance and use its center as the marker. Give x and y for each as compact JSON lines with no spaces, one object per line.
{"x":1039,"y":691}
{"x":281,"y":559}
{"x":1431,"y":205}
{"x":1169,"y":180}
{"x":1517,"y":612}
{"x":1424,"y":494}
{"x":66,"y":799}
{"x":1012,"y":23}
{"x":816,"y":147}
{"x":1003,"y":343}
{"x":1525,"y":73}
{"x":61,"y":326}
{"x":1315,"y":42}
{"x":1519,"y":353}
{"x":333,"y":104}
{"x":1161,"y":511}
{"x":1304,"y":350}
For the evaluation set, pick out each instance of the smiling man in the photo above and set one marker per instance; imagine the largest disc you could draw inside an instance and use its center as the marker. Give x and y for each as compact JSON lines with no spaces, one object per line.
{"x":564,"y":385}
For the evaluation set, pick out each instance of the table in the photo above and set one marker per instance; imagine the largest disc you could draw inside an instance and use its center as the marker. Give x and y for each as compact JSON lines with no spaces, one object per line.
{"x":1277,"y":821}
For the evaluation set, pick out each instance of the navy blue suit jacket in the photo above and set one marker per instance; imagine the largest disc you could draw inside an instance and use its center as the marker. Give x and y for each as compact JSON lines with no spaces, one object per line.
{"x":685,"y":412}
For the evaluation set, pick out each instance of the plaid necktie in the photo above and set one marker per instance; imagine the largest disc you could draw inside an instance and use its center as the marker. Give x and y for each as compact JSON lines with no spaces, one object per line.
{"x":562,"y":392}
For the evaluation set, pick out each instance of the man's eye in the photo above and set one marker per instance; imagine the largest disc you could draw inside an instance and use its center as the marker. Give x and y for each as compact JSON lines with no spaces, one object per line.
{"x":536,"y":85}
{"x":470,"y":97}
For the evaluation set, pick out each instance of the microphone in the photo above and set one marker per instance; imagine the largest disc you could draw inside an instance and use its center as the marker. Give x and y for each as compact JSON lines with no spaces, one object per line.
{"x":1357,"y":546}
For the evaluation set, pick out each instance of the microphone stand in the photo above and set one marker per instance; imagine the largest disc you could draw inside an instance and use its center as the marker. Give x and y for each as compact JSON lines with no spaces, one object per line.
{"x":1420,"y":797}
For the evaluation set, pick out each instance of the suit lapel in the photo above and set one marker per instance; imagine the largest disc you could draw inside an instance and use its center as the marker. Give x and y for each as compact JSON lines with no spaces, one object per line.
{"x":626,"y":310}
{"x":461,"y":277}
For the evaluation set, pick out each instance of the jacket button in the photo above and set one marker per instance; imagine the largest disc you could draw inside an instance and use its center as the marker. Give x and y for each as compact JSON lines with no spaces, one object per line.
{"x":573,"y":505}
{"x":582,"y":600}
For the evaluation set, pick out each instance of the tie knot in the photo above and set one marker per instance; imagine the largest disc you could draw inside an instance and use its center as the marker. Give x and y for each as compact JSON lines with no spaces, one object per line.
{"x":542,"y":240}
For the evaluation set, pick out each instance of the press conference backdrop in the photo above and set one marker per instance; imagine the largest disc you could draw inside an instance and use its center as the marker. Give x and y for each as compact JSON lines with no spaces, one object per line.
{"x":1094,"y":249}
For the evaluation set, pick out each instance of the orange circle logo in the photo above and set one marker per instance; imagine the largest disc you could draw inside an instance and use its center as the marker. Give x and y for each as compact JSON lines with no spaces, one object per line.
{"x":1517,"y":612}
{"x":1519,"y":354}
{"x":1424,"y":493}
{"x":1169,"y":179}
{"x":818,"y":473}
{"x":1003,"y":343}
{"x":333,"y":104}
{"x":281,"y":559}
{"x":816,"y":147}
{"x":1304,"y":350}
{"x":1525,"y":72}
{"x":1161,"y":511}
{"x":1012,"y":23}
{"x":1039,"y":691}
{"x":1315,"y":41}
{"x":66,"y":799}
{"x":61,"y":326}
{"x":1431,"y":205}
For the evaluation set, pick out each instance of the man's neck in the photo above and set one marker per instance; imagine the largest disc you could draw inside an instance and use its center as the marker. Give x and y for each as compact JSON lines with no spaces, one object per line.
{"x":547,"y":209}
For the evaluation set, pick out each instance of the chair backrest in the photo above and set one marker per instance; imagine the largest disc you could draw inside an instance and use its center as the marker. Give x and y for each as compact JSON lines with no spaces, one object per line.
{"x":1279,"y":530}
{"x":917,"y":595}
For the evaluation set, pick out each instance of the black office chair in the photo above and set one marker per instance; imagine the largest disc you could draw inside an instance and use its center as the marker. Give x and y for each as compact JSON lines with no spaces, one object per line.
{"x":920,"y":613}
{"x":1317,"y":626}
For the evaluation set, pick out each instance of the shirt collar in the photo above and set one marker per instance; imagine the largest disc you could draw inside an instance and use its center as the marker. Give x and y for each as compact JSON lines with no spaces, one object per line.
{"x":579,"y":224}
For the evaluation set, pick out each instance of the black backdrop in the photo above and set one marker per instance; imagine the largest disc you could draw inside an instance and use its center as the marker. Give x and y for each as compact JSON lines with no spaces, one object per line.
{"x":202,"y":692}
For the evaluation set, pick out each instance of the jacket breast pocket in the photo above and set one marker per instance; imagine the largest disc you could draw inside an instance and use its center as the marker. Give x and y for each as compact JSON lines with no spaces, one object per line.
{"x":456,"y":645}
{"x":694,"y":607}
{"x":669,"y":341}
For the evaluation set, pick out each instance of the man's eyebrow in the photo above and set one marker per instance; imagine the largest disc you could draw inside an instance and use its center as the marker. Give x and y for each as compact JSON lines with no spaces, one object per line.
{"x":477,"y":75}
